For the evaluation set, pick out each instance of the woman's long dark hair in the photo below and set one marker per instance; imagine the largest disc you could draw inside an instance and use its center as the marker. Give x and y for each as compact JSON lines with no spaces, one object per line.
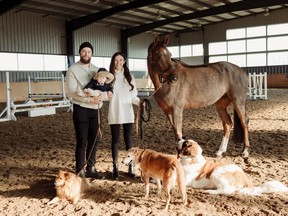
{"x":127,"y":74}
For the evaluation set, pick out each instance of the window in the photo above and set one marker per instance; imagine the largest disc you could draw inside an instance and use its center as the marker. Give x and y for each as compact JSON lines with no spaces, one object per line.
{"x":235,"y":33}
{"x":217,"y":59}
{"x":174,"y":50}
{"x":55,"y":63}
{"x":239,"y":60}
{"x":256,"y":45}
{"x":31,"y":62}
{"x":238,"y":46}
{"x":253,"y":46}
{"x":278,"y":58}
{"x":8,"y":61}
{"x":277,"y":29}
{"x":197,"y":50}
{"x":186,"y":51}
{"x":101,"y":62}
{"x":256,"y":59}
{"x":256,"y":31}
{"x":138,"y":64}
{"x":217,"y":48}
{"x":278,"y":43}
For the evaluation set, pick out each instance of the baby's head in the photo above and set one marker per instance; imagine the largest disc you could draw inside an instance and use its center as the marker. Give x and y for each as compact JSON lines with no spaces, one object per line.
{"x":103,"y":76}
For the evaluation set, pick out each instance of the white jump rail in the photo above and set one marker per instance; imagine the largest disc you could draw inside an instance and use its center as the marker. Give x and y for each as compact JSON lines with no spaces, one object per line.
{"x":7,"y":109}
{"x":46,"y":95}
{"x":30,"y":105}
{"x":257,"y":86}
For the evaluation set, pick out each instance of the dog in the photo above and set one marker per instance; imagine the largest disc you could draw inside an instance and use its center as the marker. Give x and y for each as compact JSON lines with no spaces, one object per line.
{"x":161,"y":167}
{"x":219,"y":178}
{"x":69,"y":187}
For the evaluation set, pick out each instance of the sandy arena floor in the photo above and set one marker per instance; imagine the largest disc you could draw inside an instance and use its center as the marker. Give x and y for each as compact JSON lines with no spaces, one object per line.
{"x":34,"y":149}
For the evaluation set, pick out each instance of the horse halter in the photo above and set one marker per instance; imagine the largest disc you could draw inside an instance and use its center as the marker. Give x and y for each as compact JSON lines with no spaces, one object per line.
{"x":169,"y":74}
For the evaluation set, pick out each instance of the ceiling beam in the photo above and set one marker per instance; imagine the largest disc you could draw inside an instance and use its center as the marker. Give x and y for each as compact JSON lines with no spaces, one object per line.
{"x":7,"y":5}
{"x":232,"y":7}
{"x":89,"y":19}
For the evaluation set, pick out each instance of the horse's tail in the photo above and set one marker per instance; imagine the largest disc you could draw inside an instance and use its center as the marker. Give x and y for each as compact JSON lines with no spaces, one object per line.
{"x":238,"y":132}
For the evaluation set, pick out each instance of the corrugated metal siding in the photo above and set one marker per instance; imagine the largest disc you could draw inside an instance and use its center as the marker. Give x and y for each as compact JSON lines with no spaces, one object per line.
{"x":138,"y":45}
{"x":30,"y":33}
{"x":105,"y":40}
{"x":281,"y":69}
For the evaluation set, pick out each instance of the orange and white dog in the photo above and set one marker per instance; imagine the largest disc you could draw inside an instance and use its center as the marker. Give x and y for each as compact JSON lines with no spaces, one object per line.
{"x":161,"y":167}
{"x":219,"y":178}
{"x":69,"y":187}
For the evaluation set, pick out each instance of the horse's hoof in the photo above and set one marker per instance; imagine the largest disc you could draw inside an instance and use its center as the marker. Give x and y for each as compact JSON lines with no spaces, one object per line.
{"x":246,"y":160}
{"x":219,"y":154}
{"x":245,"y":155}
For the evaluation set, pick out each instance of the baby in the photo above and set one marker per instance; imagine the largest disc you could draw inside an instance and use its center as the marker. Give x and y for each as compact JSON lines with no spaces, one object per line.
{"x":99,"y":83}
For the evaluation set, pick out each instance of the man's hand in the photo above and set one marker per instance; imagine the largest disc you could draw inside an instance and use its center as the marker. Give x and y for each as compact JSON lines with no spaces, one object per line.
{"x":109,"y":94}
{"x":96,"y":99}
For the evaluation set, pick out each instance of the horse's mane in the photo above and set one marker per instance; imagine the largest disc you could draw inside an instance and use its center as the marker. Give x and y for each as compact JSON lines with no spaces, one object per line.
{"x":177,"y":61}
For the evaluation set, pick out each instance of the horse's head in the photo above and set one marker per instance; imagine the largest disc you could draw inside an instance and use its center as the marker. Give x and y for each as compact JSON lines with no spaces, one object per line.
{"x":159,"y":59}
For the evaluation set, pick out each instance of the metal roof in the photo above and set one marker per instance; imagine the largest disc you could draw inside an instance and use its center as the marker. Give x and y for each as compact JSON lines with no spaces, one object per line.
{"x":138,"y":16}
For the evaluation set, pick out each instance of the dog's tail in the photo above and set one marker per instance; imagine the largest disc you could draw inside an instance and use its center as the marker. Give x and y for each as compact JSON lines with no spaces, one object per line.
{"x":85,"y":185}
{"x":267,"y":187}
{"x":181,"y":182}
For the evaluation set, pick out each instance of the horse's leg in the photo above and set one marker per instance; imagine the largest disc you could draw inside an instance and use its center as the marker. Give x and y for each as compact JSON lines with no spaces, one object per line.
{"x":241,"y":112}
{"x":175,"y":120}
{"x":221,"y":106}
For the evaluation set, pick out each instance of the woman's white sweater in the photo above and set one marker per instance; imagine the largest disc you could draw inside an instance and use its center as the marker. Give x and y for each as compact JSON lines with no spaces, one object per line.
{"x":121,"y":105}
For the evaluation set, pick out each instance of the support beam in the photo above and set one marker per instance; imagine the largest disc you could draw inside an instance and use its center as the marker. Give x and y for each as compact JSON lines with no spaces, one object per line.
{"x":69,"y":44}
{"x":238,"y":6}
{"x":124,"y":43}
{"x":7,"y":5}
{"x":91,"y":18}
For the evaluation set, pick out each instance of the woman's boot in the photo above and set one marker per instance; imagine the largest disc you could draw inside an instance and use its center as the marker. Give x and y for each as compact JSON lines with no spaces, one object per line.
{"x":115,"y":172}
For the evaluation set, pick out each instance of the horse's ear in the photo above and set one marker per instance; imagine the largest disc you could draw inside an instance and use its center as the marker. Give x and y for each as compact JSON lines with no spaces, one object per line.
{"x":166,"y":40}
{"x":156,"y":39}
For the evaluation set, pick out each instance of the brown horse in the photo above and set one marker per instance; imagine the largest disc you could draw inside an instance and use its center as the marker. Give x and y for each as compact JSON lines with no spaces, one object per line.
{"x":180,"y":86}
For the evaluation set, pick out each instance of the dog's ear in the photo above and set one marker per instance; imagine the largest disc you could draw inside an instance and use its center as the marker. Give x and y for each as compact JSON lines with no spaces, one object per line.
{"x":136,"y":150}
{"x":184,"y":144}
{"x":68,"y":175}
{"x":191,"y":149}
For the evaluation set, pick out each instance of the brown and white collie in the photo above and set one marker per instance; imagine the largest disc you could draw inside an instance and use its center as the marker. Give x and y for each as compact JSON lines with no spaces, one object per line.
{"x":219,"y":178}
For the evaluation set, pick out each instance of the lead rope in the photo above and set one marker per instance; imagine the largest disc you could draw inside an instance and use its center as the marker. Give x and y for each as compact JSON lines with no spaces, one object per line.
{"x":144,"y":113}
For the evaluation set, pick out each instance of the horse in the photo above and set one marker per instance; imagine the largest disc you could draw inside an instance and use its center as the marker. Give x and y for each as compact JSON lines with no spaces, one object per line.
{"x":180,"y":86}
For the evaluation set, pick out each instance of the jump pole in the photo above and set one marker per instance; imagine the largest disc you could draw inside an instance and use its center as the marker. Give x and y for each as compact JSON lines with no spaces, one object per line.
{"x":7,"y":108}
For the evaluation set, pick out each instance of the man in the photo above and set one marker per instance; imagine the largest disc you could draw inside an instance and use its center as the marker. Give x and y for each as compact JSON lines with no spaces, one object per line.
{"x":85,"y":113}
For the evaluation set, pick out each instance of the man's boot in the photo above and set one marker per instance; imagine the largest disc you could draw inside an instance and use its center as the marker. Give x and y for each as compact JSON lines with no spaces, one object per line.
{"x":92,"y":173}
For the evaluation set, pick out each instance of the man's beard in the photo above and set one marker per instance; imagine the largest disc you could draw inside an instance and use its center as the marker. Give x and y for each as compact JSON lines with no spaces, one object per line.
{"x":85,"y":61}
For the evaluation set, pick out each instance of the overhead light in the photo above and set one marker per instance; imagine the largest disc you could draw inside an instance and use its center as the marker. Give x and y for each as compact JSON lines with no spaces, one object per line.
{"x":95,"y":1}
{"x":267,"y":12}
{"x":158,"y":17}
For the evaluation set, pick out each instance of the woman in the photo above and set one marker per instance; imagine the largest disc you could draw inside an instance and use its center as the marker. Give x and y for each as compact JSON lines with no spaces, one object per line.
{"x":121,"y":108}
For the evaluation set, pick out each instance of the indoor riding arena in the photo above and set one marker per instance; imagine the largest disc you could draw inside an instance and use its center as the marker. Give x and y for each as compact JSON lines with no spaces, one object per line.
{"x":39,"y":41}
